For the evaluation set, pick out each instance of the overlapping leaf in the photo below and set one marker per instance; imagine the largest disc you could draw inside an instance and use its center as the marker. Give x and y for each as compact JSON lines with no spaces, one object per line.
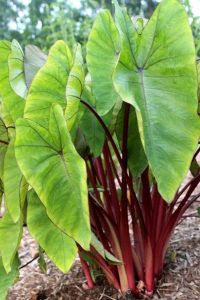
{"x":12,"y":178}
{"x":16,"y":70}
{"x":3,"y":145}
{"x":157,"y":74}
{"x":74,"y":89}
{"x":49,"y":84}
{"x":34,"y":59}
{"x":60,"y":248}
{"x":12,"y":103}
{"x":103,"y":49}
{"x":23,"y":67}
{"x":7,"y":280}
{"x":57,"y":173}
{"x":136,"y":157}
{"x":10,"y":237}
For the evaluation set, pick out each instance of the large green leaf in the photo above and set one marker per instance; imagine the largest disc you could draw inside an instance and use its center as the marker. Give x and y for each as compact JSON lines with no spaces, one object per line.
{"x":7,"y":280}
{"x":10,"y":237}
{"x":12,"y":102}
{"x":103,"y":49}
{"x":157,"y":75}
{"x":74,"y":89}
{"x":49,"y":84}
{"x":136,"y":157}
{"x":57,"y":173}
{"x":60,"y":248}
{"x":12,"y":178}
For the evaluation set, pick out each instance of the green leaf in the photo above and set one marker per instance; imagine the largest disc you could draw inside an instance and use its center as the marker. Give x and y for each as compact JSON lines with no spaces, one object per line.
{"x":12,"y":103}
{"x":198,"y":73}
{"x":74,"y":89}
{"x":49,"y":85}
{"x":59,"y":247}
{"x":16,"y":70}
{"x":3,"y":146}
{"x":93,"y":132}
{"x":41,"y":259}
{"x":157,"y":75}
{"x":137,"y":161}
{"x":7,"y":280}
{"x":198,"y":210}
{"x":10,"y":237}
{"x":57,"y":173}
{"x":24,"y":67}
{"x":34,"y":59}
{"x":194,"y":167}
{"x":1,"y":193}
{"x":5,"y":115}
{"x":103,"y":49}
{"x":103,"y":252}
{"x":12,"y":178}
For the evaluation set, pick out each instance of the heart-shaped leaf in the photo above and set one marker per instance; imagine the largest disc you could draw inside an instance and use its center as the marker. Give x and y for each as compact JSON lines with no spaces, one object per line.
{"x":156,"y":73}
{"x":51,"y":165}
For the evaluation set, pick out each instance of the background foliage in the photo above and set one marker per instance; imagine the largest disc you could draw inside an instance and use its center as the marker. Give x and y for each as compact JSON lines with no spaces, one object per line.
{"x":42,"y":22}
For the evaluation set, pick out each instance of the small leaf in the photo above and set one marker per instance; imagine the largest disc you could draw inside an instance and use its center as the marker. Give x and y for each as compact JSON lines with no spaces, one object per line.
{"x":198,"y":210}
{"x":41,"y":261}
{"x":103,"y":252}
{"x":194,"y":167}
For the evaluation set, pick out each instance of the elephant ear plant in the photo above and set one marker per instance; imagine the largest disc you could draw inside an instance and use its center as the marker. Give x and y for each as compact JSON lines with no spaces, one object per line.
{"x":93,"y":154}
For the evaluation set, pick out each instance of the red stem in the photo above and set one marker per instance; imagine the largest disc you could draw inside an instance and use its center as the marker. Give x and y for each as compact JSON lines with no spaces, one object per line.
{"x":114,"y":197}
{"x":86,"y":271}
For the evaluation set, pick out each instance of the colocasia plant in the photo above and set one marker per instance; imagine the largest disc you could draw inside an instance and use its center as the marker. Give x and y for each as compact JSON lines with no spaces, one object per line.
{"x":93,"y":153}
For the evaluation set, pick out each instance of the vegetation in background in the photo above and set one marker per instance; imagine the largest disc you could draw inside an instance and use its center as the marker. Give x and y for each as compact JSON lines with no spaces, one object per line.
{"x":42,"y":23}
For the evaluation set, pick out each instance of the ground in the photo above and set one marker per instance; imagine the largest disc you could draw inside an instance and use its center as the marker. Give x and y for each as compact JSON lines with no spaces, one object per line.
{"x":180,"y":280}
